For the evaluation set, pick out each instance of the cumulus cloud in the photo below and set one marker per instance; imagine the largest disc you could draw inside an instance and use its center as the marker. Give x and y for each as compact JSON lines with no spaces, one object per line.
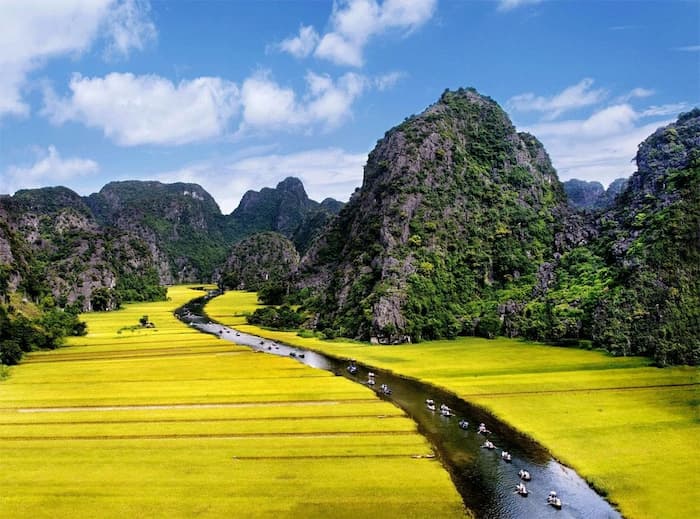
{"x":34,"y":31}
{"x":327,"y":172}
{"x":353,"y":23}
{"x":49,"y":169}
{"x":576,"y":96}
{"x":302,"y":45}
{"x":602,"y":146}
{"x":133,"y":110}
{"x":269,"y":106}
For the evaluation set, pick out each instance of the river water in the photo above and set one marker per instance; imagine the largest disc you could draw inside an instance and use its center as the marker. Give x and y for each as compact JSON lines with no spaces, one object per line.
{"x":485,"y":481}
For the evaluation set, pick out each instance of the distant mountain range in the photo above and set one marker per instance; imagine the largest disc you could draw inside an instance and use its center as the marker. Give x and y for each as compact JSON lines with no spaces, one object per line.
{"x":461,"y":226}
{"x":134,"y":234}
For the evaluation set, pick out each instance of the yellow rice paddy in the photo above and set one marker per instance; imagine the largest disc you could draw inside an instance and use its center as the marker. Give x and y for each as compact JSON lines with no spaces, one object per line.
{"x":169,"y":422}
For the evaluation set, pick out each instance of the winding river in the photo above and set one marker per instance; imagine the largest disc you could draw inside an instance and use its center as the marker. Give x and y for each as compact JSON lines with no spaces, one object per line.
{"x":485,"y":481}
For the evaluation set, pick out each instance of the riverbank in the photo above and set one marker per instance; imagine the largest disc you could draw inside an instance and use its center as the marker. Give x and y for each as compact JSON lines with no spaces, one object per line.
{"x":621,"y":423}
{"x":170,"y":422}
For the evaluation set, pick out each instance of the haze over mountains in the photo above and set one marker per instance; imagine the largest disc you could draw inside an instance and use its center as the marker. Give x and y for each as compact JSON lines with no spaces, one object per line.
{"x":461,"y":226}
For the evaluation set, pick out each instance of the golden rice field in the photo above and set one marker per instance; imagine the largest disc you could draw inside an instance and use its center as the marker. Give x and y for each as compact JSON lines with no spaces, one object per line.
{"x":169,"y":422}
{"x":629,"y":428}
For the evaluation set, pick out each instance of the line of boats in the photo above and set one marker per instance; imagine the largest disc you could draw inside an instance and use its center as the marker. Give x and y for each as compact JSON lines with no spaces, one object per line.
{"x":520,"y":488}
{"x":552,"y":499}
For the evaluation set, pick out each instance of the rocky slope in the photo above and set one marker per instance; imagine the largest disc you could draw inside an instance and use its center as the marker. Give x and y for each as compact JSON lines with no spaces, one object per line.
{"x":52,"y":245}
{"x":286,"y":209}
{"x":462,"y":227}
{"x":124,"y":241}
{"x":592,"y":195}
{"x":651,"y":240}
{"x":455,"y":207}
{"x":262,"y":258}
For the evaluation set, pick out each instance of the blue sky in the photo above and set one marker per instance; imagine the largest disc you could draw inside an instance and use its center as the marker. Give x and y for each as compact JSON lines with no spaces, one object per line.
{"x":237,"y":95}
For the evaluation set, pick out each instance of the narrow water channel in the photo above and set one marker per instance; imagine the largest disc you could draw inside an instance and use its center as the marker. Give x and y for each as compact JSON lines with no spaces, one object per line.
{"x":484,"y":479}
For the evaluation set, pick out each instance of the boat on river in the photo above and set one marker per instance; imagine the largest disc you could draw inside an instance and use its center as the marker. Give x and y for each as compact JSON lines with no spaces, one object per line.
{"x":506,"y":456}
{"x":463,"y":424}
{"x":430,"y":404}
{"x":482,"y":429}
{"x":524,"y":475}
{"x":521,"y":489}
{"x":488,"y":445}
{"x":553,"y":500}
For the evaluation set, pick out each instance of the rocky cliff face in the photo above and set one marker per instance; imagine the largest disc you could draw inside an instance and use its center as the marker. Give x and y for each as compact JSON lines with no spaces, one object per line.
{"x":52,"y":244}
{"x":651,"y":237}
{"x":180,"y":223}
{"x":285,"y":209}
{"x":134,"y":235}
{"x":591,"y":195}
{"x":262,"y":258}
{"x":454,"y":204}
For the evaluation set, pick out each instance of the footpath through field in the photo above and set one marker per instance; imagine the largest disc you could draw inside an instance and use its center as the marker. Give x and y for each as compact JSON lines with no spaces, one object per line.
{"x":169,"y":422}
{"x":631,"y":429}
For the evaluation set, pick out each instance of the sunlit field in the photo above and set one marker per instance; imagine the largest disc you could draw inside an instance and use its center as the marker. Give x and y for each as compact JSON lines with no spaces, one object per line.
{"x":629,"y":428}
{"x":169,"y":422}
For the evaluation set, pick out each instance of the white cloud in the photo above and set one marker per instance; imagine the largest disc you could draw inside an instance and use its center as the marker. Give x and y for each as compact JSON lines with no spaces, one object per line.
{"x":507,"y":5}
{"x":302,"y":45}
{"x":269,"y":106}
{"x":49,"y":169}
{"x":573,"y":97}
{"x":34,"y":31}
{"x":601,"y":147}
{"x":663,"y":110}
{"x":128,"y":27}
{"x":327,"y":172}
{"x":387,"y":81}
{"x":353,"y":23}
{"x":635,"y":93}
{"x":133,"y":110}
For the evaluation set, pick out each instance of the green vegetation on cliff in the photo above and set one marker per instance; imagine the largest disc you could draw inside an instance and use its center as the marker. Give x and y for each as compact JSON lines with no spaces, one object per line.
{"x":461,"y":227}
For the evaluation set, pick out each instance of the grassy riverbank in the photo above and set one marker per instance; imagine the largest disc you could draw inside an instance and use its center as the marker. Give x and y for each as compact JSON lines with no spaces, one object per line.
{"x":629,"y":428}
{"x":170,"y":422}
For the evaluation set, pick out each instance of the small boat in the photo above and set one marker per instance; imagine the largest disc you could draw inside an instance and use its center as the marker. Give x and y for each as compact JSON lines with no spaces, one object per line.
{"x":524,"y":475}
{"x":301,"y":355}
{"x":463,"y":424}
{"x":488,"y":445}
{"x":352,"y":368}
{"x":371,"y":381}
{"x":553,"y":500}
{"x":446,"y":411}
{"x":482,"y":429}
{"x":505,"y":456}
{"x":385,"y":389}
{"x":520,"y":489}
{"x":430,"y":404}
